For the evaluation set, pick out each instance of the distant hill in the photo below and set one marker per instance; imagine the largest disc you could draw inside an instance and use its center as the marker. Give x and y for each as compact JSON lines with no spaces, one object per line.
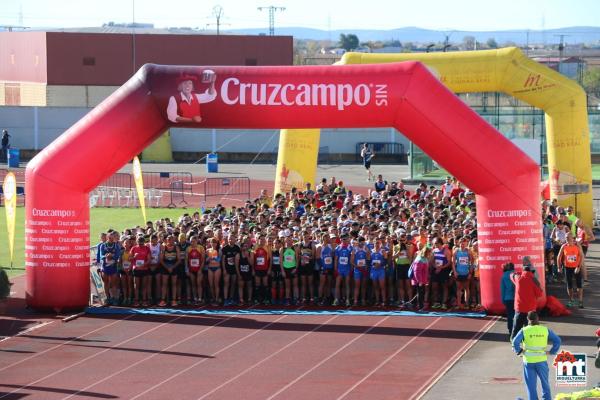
{"x":572,"y":35}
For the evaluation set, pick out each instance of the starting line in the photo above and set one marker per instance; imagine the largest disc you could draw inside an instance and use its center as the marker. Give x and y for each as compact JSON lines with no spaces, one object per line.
{"x":275,"y":311}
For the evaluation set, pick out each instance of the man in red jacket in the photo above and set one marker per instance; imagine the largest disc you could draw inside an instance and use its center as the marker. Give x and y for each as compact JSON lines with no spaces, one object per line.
{"x":527,"y":291}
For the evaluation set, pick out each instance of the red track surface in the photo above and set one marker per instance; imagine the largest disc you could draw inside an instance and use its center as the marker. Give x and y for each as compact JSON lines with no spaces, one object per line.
{"x":229,"y":357}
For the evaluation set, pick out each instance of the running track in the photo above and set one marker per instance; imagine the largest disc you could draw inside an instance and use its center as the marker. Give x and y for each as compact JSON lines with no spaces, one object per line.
{"x":228,"y":357}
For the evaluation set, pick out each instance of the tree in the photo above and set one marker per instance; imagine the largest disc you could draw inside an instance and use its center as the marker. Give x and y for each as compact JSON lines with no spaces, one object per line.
{"x":491,"y":43}
{"x":591,"y":81}
{"x":469,"y":42}
{"x":348,"y":42}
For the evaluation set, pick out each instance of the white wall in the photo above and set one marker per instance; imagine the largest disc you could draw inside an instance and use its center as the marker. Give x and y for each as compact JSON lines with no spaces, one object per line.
{"x":53,"y":121}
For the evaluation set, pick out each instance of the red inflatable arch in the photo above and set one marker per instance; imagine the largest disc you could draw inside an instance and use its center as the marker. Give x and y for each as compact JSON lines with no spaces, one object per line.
{"x":403,"y":95}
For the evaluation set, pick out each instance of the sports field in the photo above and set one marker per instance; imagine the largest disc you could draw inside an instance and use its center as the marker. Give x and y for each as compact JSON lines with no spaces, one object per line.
{"x":101,"y":220}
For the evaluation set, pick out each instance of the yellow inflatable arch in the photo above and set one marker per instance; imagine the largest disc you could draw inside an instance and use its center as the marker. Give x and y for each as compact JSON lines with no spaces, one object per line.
{"x":505,"y":70}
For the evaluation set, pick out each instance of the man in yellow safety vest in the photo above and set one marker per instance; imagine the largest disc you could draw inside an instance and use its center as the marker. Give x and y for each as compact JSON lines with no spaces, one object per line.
{"x":531,"y":342}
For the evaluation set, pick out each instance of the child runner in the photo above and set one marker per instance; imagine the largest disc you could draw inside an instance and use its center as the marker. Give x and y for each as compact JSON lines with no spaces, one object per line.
{"x":420,"y":276}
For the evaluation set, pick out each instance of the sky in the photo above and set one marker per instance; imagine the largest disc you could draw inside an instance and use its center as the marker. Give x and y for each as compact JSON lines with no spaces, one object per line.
{"x":466,"y":15}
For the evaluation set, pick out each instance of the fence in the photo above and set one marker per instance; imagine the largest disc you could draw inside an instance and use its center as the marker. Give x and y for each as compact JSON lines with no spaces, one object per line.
{"x":384,"y":152}
{"x":324,"y":156}
{"x":227,"y":186}
{"x":118,"y":180}
{"x":164,"y":180}
{"x":177,"y":194}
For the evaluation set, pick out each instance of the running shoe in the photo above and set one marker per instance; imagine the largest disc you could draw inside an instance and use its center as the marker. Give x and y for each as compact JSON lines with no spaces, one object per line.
{"x":336,"y":303}
{"x":444,"y":307}
{"x":267,"y":302}
{"x":286,"y":302}
{"x":581,"y":304}
{"x":570,"y":303}
{"x":436,"y":306}
{"x":348,"y":303}
{"x":162,"y":303}
{"x":174,"y":303}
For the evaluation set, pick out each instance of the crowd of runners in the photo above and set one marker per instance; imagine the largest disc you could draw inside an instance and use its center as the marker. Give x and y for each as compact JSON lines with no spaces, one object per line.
{"x":324,"y":246}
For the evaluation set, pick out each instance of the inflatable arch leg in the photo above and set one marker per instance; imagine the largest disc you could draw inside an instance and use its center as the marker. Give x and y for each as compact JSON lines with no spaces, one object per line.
{"x":297,"y":159}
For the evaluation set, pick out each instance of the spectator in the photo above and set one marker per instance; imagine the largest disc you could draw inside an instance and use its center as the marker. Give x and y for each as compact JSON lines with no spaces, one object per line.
{"x":527,"y":291}
{"x":5,"y":144}
{"x":507,"y":289}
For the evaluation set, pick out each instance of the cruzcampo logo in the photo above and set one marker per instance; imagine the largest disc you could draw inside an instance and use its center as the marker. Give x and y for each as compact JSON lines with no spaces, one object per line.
{"x":571,"y":369}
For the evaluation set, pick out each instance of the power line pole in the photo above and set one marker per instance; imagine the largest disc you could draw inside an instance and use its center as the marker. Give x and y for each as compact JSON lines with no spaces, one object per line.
{"x":218,"y":14}
{"x":271,"y":10}
{"x":561,"y":50}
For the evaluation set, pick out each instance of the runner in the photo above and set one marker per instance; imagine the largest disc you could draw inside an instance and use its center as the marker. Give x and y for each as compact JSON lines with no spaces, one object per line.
{"x":360,"y":258}
{"x":261,"y":264}
{"x":461,"y":268}
{"x":154,"y":269}
{"x":404,"y":253}
{"x":126,"y":271}
{"x":291,"y":254}
{"x":109,"y":258}
{"x":194,"y":261}
{"x":277,"y":281}
{"x":245,"y":272}
{"x":377,"y":274}
{"x":231,"y":263}
{"x":307,"y":266}
{"x":170,"y":259}
{"x":342,"y":254}
{"x":324,"y":256}
{"x":140,"y":256}
{"x":440,"y":274}
{"x":570,"y":257}
{"x":213,"y":261}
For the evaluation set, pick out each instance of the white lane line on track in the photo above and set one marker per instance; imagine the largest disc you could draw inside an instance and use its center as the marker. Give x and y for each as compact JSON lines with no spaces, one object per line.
{"x":267,"y":358}
{"x":28,"y":330}
{"x":419,"y":393}
{"x":89,"y":357}
{"x":60,"y":344}
{"x":325,"y":359}
{"x":204,"y":359}
{"x":405,"y":345}
{"x":149,"y":357}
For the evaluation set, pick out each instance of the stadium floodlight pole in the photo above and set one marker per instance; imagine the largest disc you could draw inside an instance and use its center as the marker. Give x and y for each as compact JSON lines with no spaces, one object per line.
{"x":271,"y":10}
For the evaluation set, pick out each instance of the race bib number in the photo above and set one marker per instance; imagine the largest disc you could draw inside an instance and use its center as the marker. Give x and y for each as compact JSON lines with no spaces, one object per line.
{"x":439,"y":263}
{"x":289,"y":258}
{"x":260,"y":260}
{"x":327,"y":260}
{"x":139,"y":263}
{"x":276,"y":260}
{"x":343,"y":260}
{"x":376,"y":263}
{"x":126,"y":265}
{"x":154,"y":260}
{"x":230,"y":260}
{"x":402,"y":254}
{"x":571,"y":258}
{"x":305,"y":260}
{"x":245,"y":268}
{"x":360,"y":263}
{"x":463,"y":260}
{"x":194,"y":262}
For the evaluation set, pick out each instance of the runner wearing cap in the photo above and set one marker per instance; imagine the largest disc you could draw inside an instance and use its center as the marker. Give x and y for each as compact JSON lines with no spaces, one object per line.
{"x":570,"y":257}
